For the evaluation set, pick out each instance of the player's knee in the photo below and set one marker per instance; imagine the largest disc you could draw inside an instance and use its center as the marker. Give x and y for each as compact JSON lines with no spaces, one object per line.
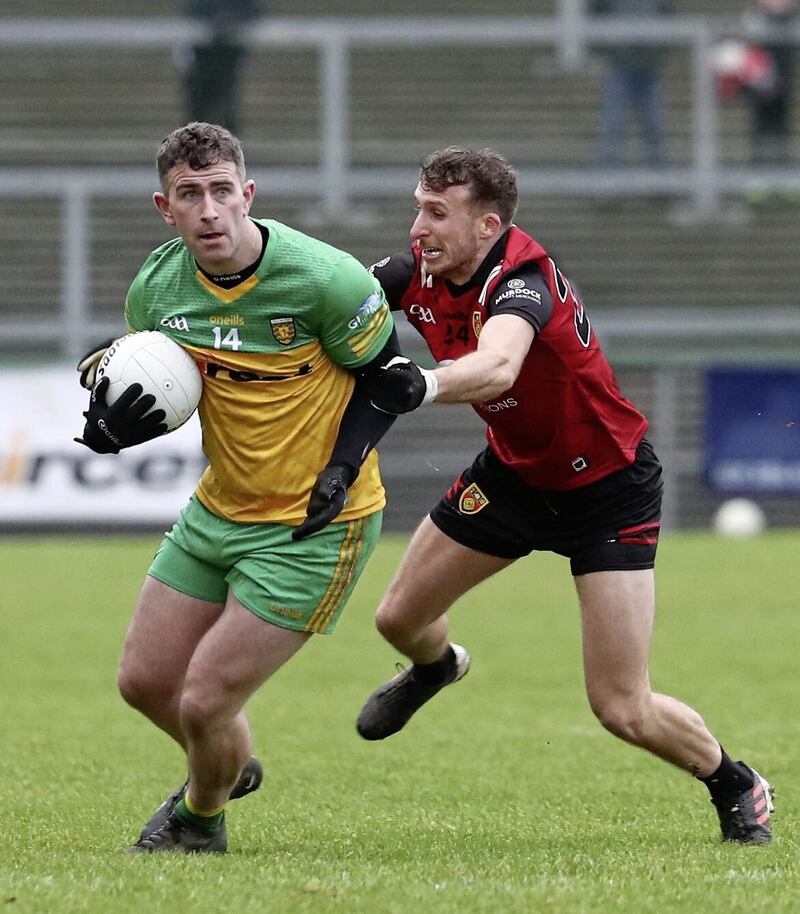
{"x":140,"y":690}
{"x":621,"y":715}
{"x":392,"y":625}
{"x":195,"y":709}
{"x":201,"y":708}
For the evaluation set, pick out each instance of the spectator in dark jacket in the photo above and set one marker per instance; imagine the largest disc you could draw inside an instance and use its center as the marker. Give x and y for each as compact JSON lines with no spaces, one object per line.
{"x":771,"y":99}
{"x":213,"y":67}
{"x":632,"y":81}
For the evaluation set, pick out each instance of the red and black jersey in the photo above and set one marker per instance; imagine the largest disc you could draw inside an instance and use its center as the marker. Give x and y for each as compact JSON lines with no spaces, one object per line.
{"x":564,"y":423}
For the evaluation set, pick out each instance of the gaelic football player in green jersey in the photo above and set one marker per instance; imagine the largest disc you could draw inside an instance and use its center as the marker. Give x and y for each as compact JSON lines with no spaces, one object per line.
{"x":289,"y":335}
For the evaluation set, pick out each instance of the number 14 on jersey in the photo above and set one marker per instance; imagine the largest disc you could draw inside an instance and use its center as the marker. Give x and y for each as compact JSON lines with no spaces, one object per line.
{"x":229,"y":341}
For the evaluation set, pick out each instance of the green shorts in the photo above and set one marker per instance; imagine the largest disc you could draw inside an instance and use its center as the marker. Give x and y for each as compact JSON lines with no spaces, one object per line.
{"x":299,"y":585}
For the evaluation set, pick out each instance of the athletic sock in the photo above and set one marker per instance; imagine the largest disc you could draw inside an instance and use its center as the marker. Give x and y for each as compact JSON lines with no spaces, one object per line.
{"x":208,"y":821}
{"x":440,"y":671}
{"x":730,"y":779}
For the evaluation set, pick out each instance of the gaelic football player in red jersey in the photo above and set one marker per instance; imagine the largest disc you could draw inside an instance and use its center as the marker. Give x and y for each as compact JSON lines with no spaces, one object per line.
{"x":567,"y":469}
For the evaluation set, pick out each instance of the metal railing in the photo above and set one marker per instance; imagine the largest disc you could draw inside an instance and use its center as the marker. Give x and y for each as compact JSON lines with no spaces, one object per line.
{"x":570,"y":33}
{"x":335,"y":182}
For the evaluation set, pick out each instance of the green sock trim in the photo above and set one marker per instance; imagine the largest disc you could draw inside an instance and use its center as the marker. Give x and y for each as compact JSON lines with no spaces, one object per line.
{"x":207,"y":823}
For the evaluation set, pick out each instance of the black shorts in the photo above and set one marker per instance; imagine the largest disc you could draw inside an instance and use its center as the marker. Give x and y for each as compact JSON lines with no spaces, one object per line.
{"x":609,"y":525}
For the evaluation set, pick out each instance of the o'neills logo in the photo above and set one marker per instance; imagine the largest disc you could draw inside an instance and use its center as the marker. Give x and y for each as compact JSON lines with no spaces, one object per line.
{"x":472,"y":500}
{"x":283,"y":329}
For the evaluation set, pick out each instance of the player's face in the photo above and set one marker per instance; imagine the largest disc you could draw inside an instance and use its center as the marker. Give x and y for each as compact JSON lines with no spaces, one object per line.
{"x":210,"y":210}
{"x":452,"y":236}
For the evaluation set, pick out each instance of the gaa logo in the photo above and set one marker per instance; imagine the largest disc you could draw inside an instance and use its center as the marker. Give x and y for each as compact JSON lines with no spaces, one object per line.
{"x":472,"y":500}
{"x":424,"y":314}
{"x":176,"y":322}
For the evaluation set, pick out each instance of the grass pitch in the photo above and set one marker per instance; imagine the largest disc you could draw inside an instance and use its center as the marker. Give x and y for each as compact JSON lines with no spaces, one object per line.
{"x":503,"y":795}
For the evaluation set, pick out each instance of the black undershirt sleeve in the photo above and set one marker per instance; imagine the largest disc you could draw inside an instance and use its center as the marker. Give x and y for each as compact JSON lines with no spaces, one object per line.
{"x":362,"y":425}
{"x":394,"y":274}
{"x":523,"y":292}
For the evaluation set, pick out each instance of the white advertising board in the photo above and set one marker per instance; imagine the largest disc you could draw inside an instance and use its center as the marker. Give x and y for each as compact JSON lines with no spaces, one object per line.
{"x":47,"y":478}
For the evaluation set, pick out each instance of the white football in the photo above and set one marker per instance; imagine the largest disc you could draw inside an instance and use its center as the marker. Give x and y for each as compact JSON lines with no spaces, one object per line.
{"x":161,"y":366}
{"x":739,"y":517}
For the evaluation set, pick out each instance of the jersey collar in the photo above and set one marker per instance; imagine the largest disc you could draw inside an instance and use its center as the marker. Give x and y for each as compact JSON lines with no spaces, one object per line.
{"x":479,"y":277}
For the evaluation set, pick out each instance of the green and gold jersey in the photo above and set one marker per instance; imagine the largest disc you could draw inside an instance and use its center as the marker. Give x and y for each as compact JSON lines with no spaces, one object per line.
{"x":273,"y":352}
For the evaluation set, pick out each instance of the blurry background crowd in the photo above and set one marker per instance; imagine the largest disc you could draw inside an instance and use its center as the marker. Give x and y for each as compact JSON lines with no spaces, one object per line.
{"x":656,"y":145}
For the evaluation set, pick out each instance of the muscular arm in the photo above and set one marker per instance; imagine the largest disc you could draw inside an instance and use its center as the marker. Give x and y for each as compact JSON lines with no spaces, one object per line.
{"x":492,"y":368}
{"x":401,"y":386}
{"x":519,"y":309}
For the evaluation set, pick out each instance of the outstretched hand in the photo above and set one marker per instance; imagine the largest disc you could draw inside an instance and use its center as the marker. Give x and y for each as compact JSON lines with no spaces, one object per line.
{"x":125,"y":423}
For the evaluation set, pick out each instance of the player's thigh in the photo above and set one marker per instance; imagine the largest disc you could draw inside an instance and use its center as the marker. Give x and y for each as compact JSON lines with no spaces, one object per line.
{"x":194,"y":557}
{"x":434,"y":572}
{"x":302,"y":586}
{"x":236,"y":656}
{"x":183,"y":595}
{"x":166,"y":627}
{"x":617,"y":610}
{"x":612,"y":524}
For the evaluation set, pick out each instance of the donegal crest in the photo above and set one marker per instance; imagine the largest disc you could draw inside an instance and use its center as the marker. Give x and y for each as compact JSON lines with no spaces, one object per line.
{"x":283,"y":329}
{"x":472,"y":500}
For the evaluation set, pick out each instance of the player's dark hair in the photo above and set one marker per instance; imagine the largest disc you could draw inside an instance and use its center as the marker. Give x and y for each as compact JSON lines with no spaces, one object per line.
{"x":199,"y":145}
{"x":491,"y":180}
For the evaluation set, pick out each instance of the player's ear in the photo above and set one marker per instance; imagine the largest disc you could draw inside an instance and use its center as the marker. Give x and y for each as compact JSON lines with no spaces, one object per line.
{"x":248,"y":192}
{"x":162,"y":205}
{"x":491,"y":225}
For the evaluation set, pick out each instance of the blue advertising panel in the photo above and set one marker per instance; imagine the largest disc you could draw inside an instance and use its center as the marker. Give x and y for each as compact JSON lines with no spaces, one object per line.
{"x":752,"y":431}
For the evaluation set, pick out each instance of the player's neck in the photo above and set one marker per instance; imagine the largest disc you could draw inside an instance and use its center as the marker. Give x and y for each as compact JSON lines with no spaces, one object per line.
{"x":244,"y":264}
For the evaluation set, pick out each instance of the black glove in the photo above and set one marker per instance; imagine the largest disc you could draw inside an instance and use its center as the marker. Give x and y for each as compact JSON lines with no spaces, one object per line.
{"x":328,"y":497}
{"x":90,"y":362}
{"x":108,"y":429}
{"x":400,"y":386}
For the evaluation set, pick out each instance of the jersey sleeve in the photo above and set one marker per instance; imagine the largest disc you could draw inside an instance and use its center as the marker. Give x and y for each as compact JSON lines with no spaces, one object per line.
{"x":525,"y":293}
{"x":394,"y":274}
{"x":356,"y":321}
{"x":136,"y":313}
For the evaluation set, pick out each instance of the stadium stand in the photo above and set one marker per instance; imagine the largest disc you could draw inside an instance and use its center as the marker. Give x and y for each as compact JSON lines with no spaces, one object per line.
{"x":111,"y":106}
{"x":104,"y":106}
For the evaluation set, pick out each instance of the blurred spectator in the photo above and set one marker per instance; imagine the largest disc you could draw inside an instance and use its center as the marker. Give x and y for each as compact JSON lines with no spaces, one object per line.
{"x":771,"y":99}
{"x":632,"y":80}
{"x":213,"y":67}
{"x":742,"y":68}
